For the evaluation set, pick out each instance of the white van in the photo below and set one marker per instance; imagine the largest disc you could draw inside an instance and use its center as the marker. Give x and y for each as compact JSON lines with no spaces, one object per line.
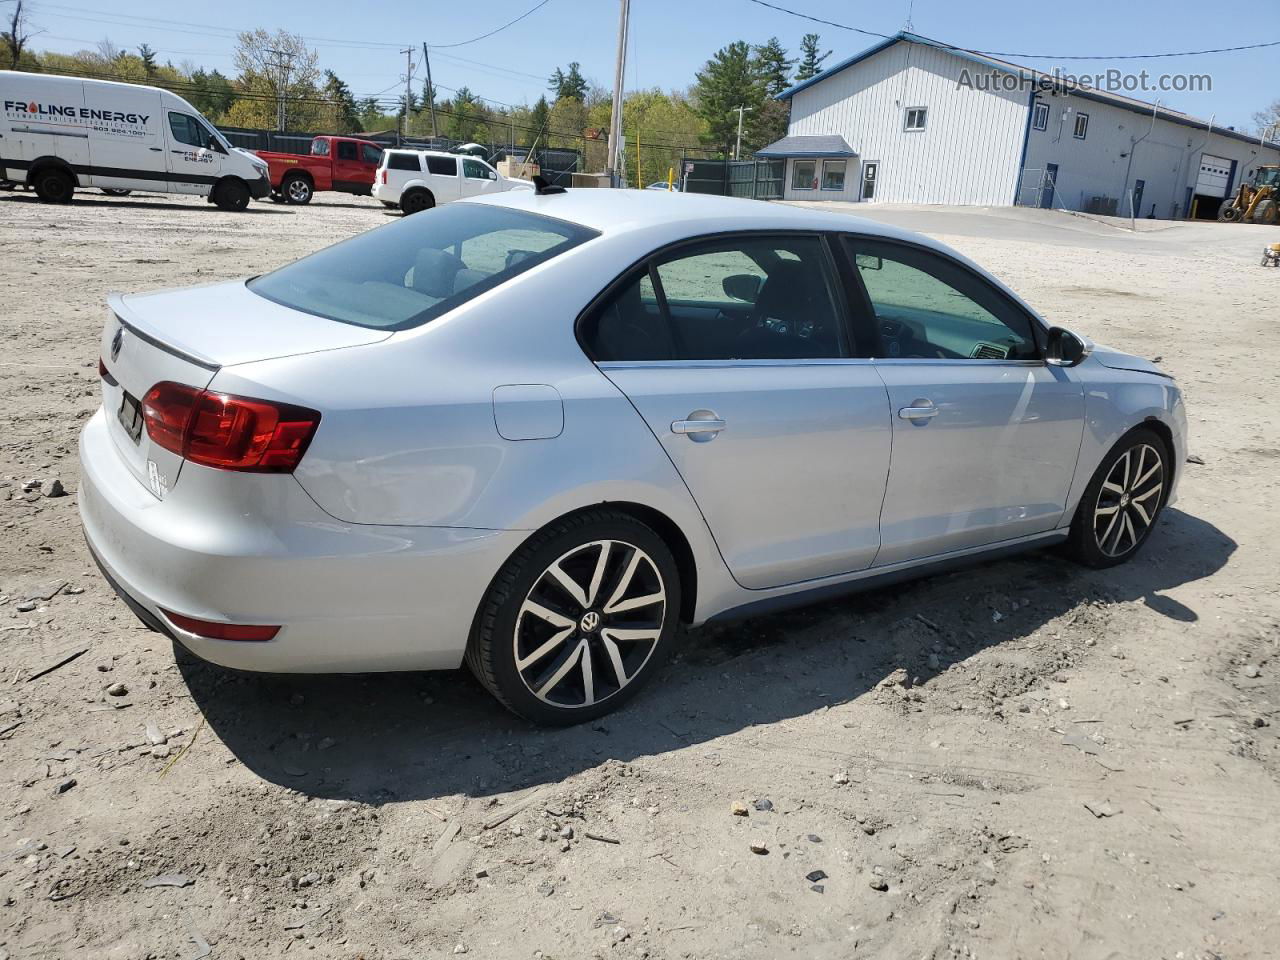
{"x":415,"y":180}
{"x":59,"y":133}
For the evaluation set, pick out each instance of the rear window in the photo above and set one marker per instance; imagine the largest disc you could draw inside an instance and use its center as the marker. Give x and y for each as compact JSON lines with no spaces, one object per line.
{"x":416,"y":269}
{"x":403,"y":161}
{"x":445,"y":166}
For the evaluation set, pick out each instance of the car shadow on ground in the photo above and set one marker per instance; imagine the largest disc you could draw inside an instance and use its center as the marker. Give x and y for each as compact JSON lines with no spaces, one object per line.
{"x":385,"y":738}
{"x":142,"y":203}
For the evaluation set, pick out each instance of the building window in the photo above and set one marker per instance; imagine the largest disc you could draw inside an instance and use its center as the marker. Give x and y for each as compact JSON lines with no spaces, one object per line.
{"x":804,"y":174}
{"x":916,"y":117}
{"x":1082,"y":126}
{"x":1040,"y":117}
{"x":833,"y":174}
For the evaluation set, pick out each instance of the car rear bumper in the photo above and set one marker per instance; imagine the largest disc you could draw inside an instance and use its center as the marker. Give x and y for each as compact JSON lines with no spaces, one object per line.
{"x":348,"y":597}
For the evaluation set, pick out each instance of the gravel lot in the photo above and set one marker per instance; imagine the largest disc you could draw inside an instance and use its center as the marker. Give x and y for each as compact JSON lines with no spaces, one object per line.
{"x":1024,"y":759}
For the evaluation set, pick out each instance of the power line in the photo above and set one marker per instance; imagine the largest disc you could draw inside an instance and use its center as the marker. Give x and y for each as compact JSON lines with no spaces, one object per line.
{"x":510,"y":23}
{"x":1021,"y":56}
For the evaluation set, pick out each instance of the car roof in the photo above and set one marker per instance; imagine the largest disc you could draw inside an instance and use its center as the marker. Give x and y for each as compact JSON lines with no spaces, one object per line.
{"x":619,"y":211}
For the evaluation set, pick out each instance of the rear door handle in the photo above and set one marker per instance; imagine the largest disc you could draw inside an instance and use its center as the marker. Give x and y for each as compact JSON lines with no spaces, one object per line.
{"x":919,"y":410}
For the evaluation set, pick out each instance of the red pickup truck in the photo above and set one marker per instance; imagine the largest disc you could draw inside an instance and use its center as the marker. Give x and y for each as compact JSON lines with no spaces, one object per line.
{"x":344,"y":164}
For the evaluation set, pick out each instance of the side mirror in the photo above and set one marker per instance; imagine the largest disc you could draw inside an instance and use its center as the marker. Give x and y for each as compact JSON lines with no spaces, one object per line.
{"x":1066,"y":349}
{"x":742,"y":286}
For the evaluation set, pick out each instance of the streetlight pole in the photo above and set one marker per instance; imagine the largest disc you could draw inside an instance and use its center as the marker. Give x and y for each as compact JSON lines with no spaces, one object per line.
{"x":612,"y":166}
{"x":737,"y":150}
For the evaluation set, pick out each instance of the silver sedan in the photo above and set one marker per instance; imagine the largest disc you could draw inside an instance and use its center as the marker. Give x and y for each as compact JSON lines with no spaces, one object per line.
{"x":539,"y":431}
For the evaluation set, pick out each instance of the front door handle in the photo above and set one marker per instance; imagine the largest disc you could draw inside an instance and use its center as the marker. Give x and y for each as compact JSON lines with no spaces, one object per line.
{"x":156,"y":149}
{"x":919,"y":410}
{"x":702,"y":425}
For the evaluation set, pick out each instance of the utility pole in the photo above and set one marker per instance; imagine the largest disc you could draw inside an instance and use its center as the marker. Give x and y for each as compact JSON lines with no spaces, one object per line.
{"x":431,"y":91}
{"x":282,"y":60}
{"x":737,"y":150}
{"x":613,"y":165}
{"x":408,"y":91}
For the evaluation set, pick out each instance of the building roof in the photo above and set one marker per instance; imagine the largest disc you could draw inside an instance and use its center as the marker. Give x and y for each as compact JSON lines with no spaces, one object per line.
{"x":833,"y":146}
{"x":1050,"y":82}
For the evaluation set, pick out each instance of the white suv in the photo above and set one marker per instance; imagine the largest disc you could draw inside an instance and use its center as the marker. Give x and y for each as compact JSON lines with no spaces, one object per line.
{"x":416,"y":180}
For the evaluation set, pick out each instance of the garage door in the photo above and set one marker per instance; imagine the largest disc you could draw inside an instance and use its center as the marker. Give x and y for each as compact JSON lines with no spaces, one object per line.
{"x":1215,"y":172}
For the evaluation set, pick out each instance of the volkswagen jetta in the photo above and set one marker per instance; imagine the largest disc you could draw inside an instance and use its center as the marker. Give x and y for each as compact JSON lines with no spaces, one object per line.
{"x":538,"y":431}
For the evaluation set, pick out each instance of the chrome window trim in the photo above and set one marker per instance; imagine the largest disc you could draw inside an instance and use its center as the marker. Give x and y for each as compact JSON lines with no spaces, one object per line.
{"x":726,"y":364}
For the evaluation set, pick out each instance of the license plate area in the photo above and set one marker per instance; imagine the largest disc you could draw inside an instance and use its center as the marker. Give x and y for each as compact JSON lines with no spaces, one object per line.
{"x":130,"y":415}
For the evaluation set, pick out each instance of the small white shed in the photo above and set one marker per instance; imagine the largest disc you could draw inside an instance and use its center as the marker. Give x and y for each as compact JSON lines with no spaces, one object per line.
{"x":817,"y":167}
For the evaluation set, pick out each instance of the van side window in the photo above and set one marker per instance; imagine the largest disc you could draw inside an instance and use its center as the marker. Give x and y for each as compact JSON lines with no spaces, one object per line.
{"x":442,"y":166}
{"x":346,"y":150}
{"x":187,"y":129}
{"x":403,"y":161}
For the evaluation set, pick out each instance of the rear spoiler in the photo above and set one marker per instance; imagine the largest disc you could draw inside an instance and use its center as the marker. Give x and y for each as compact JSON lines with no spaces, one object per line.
{"x":139,"y":328}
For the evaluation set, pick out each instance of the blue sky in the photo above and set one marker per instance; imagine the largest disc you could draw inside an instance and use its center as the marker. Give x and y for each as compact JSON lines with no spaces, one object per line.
{"x":672,"y":38}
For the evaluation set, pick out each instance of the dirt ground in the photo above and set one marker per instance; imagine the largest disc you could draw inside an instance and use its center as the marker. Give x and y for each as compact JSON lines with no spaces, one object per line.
{"x":1024,"y":759}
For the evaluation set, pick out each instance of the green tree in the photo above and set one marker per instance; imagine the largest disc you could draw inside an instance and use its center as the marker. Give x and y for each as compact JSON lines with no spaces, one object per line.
{"x":810,"y":58}
{"x":16,"y":36}
{"x":344,"y":118}
{"x":280,"y":69}
{"x":211,"y":93}
{"x":773,"y":66}
{"x":726,"y":82}
{"x":148,"y":58}
{"x":467,"y":117}
{"x":539,"y":117}
{"x":572,"y":84}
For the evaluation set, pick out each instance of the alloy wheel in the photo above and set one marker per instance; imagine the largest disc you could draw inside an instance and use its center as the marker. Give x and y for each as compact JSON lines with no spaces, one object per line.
{"x":299,"y":190}
{"x":589,"y":624}
{"x":1128,"y":500}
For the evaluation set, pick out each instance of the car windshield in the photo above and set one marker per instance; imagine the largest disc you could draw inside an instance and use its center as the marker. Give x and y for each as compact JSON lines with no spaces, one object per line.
{"x":410,"y":272}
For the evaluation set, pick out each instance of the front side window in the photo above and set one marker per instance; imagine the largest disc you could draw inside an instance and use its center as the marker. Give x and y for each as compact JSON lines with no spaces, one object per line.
{"x":475,"y":170}
{"x":370,"y":154}
{"x":403,"y":161}
{"x":751,"y":298}
{"x":443,"y":166}
{"x":1040,"y":116}
{"x":187,"y":129}
{"x":930,"y":308}
{"x":319,"y":148}
{"x":916,"y":118}
{"x":833,"y":174}
{"x":1082,"y":126}
{"x":416,"y":269}
{"x":346,"y":150}
{"x":804,"y":174}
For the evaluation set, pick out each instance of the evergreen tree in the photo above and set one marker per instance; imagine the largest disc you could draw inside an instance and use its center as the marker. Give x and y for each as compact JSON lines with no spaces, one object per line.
{"x":810,"y":59}
{"x":345,"y":118}
{"x":572,"y":85}
{"x":148,"y":57}
{"x":726,"y":82}
{"x":538,"y":121}
{"x":773,"y":66}
{"x":212,"y":93}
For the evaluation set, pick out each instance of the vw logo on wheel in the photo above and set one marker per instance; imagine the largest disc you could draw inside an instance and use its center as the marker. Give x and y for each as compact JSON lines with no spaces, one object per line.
{"x":116,"y":343}
{"x":590,"y":621}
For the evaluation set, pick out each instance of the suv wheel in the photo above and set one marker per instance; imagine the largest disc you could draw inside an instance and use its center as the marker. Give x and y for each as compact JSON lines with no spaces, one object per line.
{"x":578,"y":620}
{"x":415,"y":201}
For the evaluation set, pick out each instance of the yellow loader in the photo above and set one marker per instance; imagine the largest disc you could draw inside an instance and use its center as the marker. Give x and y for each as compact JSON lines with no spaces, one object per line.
{"x":1256,"y":202}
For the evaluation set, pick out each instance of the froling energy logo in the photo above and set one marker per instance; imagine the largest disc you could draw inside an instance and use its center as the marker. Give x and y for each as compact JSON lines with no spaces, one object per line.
{"x":104,"y":121}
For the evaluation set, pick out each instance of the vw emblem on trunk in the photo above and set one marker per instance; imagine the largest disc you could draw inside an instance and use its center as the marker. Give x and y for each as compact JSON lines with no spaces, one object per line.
{"x":116,"y":343}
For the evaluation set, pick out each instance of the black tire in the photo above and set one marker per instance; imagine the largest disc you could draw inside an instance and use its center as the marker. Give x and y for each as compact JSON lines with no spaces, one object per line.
{"x":231,"y":195}
{"x":1266,"y":213}
{"x":1229,"y":212}
{"x":638,"y":565}
{"x":297,"y":188}
{"x":116,"y":192}
{"x":1126,"y":497}
{"x":54,"y":185}
{"x":277,"y":197}
{"x":415,"y":201}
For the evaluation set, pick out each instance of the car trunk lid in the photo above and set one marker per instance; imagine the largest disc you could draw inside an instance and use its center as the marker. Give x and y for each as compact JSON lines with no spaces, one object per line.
{"x":186,"y":336}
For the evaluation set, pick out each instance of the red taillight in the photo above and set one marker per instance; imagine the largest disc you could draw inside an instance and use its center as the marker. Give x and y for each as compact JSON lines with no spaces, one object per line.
{"x":228,"y":432}
{"x":221,"y":631}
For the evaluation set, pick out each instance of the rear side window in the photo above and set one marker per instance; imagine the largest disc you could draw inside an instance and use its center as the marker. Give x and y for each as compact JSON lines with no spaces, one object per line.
{"x":751,"y":298}
{"x":319,"y":148}
{"x":346,"y":150}
{"x":403,"y":161}
{"x":443,"y":166}
{"x":416,"y":269}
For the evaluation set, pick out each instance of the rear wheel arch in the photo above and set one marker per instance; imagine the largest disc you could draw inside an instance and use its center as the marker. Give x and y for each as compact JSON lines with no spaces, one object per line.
{"x":42,"y":164}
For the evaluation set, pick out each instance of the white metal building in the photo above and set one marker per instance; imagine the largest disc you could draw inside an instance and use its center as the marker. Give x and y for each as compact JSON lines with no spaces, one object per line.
{"x":912,"y":120}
